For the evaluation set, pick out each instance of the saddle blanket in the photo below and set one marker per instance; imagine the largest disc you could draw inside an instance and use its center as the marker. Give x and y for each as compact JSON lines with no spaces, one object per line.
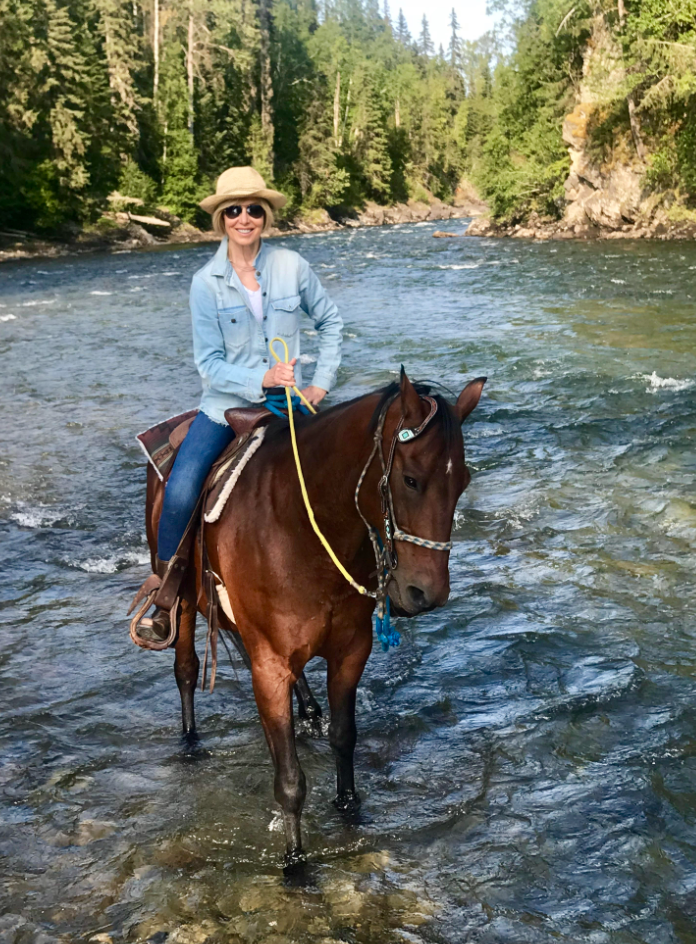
{"x":226,"y":475}
{"x":156,"y":442}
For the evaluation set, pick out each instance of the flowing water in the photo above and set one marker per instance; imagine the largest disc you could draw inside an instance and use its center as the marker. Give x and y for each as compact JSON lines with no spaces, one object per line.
{"x":527,"y":758}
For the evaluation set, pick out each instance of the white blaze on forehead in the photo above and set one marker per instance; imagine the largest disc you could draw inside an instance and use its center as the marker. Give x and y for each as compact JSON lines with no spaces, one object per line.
{"x":449,"y":466}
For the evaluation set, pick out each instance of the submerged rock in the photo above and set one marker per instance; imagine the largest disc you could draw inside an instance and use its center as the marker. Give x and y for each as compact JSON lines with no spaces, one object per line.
{"x":89,"y":830}
{"x":207,"y":931}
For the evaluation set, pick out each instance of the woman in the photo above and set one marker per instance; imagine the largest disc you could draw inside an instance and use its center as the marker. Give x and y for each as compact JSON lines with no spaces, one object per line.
{"x":246,"y":295}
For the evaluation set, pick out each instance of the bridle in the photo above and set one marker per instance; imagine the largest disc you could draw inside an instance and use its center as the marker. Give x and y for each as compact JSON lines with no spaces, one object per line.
{"x":385,"y":553}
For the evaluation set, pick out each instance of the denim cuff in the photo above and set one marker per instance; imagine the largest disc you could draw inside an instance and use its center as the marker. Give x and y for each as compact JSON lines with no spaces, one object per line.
{"x":323,"y":379}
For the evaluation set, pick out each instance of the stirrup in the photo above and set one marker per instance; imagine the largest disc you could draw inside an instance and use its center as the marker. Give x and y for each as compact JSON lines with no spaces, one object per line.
{"x":147,"y":593}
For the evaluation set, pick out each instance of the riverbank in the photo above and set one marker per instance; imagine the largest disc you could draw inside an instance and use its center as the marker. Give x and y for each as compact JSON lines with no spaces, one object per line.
{"x":123,"y":232}
{"x":660,"y":227}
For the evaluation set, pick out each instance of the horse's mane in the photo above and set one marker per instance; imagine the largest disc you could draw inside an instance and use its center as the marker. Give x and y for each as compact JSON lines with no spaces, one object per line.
{"x":444,"y":418}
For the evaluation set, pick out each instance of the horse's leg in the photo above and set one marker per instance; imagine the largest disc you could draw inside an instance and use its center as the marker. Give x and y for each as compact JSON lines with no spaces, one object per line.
{"x":273,"y":684}
{"x":308,"y":708}
{"x":186,"y":665}
{"x":342,"y":682}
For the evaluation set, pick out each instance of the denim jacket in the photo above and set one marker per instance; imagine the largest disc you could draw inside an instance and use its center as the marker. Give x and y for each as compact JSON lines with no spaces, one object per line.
{"x":230,"y":347}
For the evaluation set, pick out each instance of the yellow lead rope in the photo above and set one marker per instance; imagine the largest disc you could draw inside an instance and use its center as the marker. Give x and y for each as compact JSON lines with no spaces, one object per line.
{"x":300,"y":476}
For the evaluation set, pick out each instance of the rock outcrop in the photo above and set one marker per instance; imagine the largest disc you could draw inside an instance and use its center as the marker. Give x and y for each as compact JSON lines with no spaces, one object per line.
{"x":605,"y":192}
{"x":598,"y":194}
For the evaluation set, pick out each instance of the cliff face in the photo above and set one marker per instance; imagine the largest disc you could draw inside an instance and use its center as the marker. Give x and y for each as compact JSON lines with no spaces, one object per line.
{"x":605,"y":186}
{"x":606,"y":192}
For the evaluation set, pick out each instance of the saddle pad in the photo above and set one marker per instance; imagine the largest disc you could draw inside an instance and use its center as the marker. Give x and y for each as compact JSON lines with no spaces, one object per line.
{"x":155,"y":442}
{"x":226,"y":476}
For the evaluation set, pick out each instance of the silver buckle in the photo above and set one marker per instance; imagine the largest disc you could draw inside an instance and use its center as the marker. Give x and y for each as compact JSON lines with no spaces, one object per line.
{"x":405,"y":435}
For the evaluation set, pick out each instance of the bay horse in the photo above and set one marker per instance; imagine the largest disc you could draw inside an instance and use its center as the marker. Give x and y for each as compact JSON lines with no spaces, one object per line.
{"x":289,"y":601}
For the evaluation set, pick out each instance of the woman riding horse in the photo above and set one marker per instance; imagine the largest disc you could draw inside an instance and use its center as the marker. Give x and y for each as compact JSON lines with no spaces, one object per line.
{"x":248,"y":293}
{"x":333,"y":515}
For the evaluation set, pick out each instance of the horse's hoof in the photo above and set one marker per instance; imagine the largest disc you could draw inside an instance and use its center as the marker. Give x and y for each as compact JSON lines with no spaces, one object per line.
{"x":348,"y":802}
{"x":313,"y":726}
{"x":190,"y":743}
{"x":297,"y":872}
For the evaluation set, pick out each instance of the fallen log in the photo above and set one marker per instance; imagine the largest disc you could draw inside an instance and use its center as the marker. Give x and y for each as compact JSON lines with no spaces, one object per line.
{"x":149,"y":221}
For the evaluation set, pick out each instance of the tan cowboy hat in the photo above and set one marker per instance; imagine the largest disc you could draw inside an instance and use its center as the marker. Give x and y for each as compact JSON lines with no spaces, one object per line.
{"x":239,"y":183}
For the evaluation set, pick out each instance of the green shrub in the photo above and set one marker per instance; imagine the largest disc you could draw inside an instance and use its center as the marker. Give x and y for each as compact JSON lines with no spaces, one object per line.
{"x":134,"y":182}
{"x":662,"y":169}
{"x":45,"y":196}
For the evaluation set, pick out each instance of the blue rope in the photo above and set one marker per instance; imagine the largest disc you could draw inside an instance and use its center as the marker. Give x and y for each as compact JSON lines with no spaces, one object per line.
{"x":386,"y":635}
{"x":277,"y":403}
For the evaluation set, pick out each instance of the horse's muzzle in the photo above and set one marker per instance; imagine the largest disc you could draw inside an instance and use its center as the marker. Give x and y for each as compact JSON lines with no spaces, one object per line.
{"x":415,"y":598}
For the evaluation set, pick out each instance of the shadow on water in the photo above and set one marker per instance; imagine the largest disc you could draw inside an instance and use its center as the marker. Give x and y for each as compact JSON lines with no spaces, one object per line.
{"x":526,"y":759}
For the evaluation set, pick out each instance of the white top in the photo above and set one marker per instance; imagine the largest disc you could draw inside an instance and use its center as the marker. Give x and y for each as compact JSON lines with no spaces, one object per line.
{"x":255,"y":302}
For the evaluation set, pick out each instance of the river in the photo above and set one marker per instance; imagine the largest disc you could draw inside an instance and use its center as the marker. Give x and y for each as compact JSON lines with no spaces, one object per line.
{"x":526,"y":758}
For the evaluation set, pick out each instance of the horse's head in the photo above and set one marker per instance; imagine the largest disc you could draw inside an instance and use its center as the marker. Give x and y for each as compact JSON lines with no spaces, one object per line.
{"x":427,"y":478}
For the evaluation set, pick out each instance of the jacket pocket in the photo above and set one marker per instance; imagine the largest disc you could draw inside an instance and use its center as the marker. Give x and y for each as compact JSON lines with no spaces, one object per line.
{"x":286,"y":316}
{"x":234,"y":323}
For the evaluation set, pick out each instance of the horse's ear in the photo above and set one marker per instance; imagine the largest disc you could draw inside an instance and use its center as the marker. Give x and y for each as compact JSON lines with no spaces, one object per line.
{"x":412,"y":407}
{"x":469,"y":398}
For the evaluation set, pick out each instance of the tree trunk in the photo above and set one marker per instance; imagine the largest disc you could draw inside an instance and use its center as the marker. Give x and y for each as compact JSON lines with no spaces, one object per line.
{"x":266,"y":84}
{"x":189,"y":71}
{"x":155,"y":51}
{"x":337,"y":109}
{"x":345,"y":117}
{"x":397,"y":114}
{"x":631,"y":100}
{"x":635,"y":127}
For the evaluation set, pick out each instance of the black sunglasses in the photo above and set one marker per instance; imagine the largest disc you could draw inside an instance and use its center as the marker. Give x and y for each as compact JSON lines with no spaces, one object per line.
{"x":255,"y":211}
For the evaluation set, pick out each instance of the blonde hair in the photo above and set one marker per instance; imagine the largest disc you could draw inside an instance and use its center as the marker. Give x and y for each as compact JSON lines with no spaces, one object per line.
{"x":219,"y":221}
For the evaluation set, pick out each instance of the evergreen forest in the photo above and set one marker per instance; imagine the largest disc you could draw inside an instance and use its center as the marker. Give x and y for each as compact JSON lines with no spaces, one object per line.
{"x":335,"y":102}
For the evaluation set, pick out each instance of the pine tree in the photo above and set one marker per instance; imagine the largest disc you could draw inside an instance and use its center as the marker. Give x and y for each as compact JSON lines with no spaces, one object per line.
{"x":425,"y":43}
{"x":122,"y":49}
{"x":264,"y":144}
{"x":179,"y":157}
{"x":322,"y":182}
{"x":19,"y":145}
{"x":371,"y":144}
{"x":402,"y":31}
{"x":453,"y":52}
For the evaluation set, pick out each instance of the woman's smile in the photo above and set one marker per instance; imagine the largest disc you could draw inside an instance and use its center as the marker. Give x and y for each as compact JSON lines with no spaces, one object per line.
{"x":244,"y":229}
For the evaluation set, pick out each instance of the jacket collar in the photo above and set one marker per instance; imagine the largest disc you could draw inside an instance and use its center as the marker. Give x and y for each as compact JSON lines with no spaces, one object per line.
{"x":221,"y":264}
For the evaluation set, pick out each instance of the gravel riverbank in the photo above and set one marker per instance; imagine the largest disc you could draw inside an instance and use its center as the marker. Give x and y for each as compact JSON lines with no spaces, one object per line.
{"x":135,"y":232}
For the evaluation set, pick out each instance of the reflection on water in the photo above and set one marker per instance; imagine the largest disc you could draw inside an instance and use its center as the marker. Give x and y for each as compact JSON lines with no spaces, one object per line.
{"x":527,"y":758}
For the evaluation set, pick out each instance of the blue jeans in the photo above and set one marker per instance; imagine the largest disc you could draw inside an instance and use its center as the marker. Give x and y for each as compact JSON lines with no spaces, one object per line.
{"x":204,"y":442}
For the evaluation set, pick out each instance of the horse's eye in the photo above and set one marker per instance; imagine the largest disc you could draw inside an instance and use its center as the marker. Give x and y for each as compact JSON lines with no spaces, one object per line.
{"x":411,"y":483}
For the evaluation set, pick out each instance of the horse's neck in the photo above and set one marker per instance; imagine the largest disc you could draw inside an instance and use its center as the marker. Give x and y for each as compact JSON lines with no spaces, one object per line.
{"x":334,"y":450}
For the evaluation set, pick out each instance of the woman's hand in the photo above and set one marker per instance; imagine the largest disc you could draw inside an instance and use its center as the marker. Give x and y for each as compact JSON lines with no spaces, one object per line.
{"x":314,"y":394}
{"x":282,"y":375}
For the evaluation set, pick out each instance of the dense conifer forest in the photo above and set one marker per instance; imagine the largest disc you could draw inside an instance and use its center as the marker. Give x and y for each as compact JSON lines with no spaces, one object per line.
{"x":335,"y":101}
